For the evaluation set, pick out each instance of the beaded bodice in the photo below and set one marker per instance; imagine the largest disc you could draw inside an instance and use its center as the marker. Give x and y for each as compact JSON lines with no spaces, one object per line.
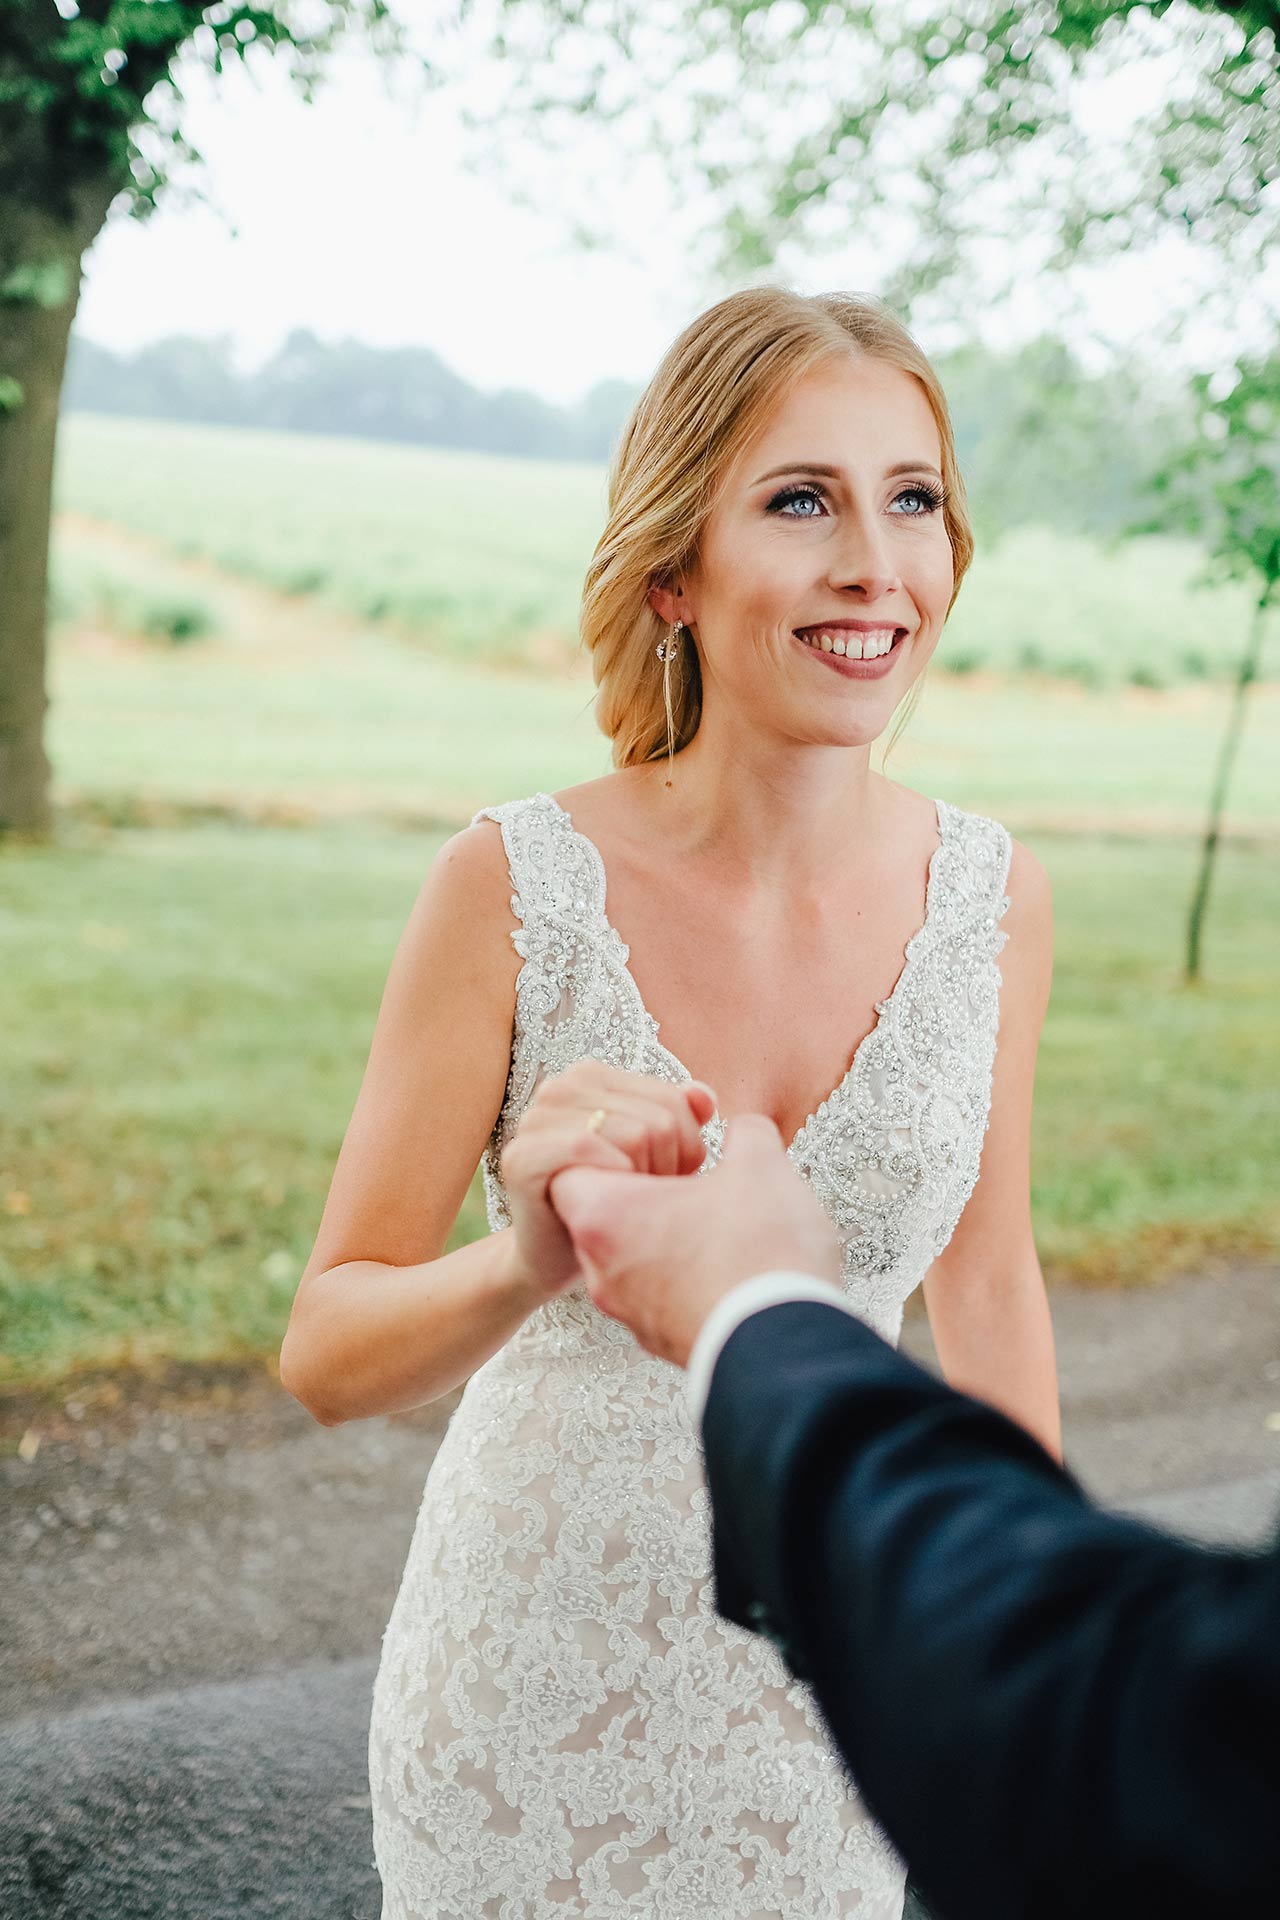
{"x":892,"y":1152}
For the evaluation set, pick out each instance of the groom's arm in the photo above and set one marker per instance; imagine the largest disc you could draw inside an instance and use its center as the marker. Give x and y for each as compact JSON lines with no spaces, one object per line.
{"x":1053,"y":1711}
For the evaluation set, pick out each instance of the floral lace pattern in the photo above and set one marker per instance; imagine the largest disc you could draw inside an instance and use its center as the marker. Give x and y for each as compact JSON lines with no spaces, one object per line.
{"x":563,"y":1727}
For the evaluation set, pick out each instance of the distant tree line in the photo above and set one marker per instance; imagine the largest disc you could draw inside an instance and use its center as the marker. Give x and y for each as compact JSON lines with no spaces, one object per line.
{"x":341,"y":387}
{"x":1038,"y":438}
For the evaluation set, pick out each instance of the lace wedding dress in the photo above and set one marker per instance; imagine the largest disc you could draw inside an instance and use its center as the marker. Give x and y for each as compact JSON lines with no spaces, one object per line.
{"x":563,"y":1728}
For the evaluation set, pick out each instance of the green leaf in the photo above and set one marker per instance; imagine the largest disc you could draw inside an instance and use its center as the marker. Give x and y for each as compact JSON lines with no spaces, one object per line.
{"x":44,"y":283}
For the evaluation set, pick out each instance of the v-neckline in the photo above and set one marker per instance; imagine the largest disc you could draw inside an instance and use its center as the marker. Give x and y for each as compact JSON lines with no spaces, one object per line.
{"x":717,"y":1123}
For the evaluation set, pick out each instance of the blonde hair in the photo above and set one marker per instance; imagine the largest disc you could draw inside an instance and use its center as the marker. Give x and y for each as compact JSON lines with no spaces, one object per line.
{"x":716,"y":386}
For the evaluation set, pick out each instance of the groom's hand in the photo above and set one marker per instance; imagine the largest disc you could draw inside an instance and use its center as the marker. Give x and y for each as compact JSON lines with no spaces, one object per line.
{"x":659,"y":1252}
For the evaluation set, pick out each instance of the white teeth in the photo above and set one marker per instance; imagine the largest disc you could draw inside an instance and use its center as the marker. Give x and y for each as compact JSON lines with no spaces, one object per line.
{"x":853,"y":646}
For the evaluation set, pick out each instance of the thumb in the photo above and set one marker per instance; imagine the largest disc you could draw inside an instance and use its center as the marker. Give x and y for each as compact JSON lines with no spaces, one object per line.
{"x":590,"y":1202}
{"x":751,"y":1136}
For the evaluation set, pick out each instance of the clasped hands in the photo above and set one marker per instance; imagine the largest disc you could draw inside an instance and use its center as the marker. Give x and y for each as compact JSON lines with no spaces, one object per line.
{"x":599,"y":1182}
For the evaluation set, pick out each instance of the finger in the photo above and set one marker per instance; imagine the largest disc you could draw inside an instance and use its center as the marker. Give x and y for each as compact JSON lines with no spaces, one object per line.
{"x":582,"y":1149}
{"x":536,"y":1155}
{"x":752,"y":1134}
{"x":560,"y":1137}
{"x":664,"y":1126}
{"x":573,"y":1193}
{"x":631,"y":1102}
{"x":605,"y":1086}
{"x":677,"y":1146}
{"x":676,"y":1141}
{"x":597,"y":1083}
{"x":654,"y":1129}
{"x":653,"y":1140}
{"x":690,"y":1107}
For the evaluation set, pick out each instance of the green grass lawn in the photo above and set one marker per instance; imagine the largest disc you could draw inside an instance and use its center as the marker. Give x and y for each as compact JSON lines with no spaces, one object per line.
{"x":188,"y":1014}
{"x":481,"y":558}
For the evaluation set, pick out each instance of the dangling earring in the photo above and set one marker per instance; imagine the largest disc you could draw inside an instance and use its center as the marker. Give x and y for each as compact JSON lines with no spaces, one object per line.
{"x":669,"y":650}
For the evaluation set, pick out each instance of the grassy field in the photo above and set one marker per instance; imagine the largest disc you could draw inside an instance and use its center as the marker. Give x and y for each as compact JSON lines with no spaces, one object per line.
{"x":189,"y":1013}
{"x":481,"y":558}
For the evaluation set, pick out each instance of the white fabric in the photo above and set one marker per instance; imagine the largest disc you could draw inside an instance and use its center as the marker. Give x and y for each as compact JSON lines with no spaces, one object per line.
{"x":563,"y":1727}
{"x":763,"y":1290}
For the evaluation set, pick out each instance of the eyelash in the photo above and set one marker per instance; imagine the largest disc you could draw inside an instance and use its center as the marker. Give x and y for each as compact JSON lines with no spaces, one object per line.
{"x":934,"y":496}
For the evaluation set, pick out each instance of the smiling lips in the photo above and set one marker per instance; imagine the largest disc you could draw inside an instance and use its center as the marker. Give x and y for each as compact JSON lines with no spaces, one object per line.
{"x":856,"y":640}
{"x":860,"y":641}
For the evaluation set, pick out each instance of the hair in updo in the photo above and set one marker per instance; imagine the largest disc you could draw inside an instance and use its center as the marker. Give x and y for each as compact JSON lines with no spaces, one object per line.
{"x":715,"y":388}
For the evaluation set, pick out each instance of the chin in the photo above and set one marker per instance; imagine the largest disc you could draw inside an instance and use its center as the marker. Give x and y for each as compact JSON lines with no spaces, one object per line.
{"x":852,"y":729}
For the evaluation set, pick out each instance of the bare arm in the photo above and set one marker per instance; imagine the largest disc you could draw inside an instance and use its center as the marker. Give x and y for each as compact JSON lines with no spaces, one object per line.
{"x":985,"y":1293}
{"x":383,"y":1319}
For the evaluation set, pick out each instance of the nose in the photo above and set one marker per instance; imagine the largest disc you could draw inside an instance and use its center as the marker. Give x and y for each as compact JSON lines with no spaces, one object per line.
{"x":864,"y":563}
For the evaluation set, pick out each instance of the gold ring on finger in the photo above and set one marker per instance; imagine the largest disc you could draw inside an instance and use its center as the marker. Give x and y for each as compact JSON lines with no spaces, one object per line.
{"x":596,"y":1120}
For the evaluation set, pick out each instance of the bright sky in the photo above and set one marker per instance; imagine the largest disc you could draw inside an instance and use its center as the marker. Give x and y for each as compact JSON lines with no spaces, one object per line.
{"x":363,"y":215}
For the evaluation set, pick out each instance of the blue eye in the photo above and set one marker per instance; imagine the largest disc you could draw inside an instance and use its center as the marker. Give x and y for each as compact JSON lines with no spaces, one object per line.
{"x":933,"y":498}
{"x":790,"y":494}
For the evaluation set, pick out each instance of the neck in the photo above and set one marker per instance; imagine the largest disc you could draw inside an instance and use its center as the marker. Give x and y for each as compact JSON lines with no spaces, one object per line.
{"x":763,"y":810}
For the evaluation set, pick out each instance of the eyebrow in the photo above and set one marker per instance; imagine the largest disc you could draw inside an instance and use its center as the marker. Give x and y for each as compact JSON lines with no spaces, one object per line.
{"x":833,"y":473}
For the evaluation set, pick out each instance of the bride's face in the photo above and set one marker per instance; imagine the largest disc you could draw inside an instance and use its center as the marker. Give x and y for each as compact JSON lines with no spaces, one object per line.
{"x":827,"y":533}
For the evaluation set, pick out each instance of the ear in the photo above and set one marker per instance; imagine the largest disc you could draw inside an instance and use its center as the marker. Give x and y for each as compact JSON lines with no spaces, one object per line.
{"x":670,"y":604}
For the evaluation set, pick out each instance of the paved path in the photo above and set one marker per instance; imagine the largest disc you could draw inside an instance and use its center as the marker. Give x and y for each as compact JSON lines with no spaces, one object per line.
{"x":199,"y":1593}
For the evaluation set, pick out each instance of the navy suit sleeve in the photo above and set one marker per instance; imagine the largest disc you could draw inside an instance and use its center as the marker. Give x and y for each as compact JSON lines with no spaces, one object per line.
{"x":1053,"y":1711}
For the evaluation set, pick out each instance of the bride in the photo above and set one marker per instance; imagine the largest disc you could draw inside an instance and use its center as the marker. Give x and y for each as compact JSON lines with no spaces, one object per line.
{"x":563,"y":1728}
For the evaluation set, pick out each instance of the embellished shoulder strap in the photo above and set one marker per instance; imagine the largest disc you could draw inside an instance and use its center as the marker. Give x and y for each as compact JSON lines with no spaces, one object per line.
{"x":564,"y":1010}
{"x":977,"y":874}
{"x":556,"y":875}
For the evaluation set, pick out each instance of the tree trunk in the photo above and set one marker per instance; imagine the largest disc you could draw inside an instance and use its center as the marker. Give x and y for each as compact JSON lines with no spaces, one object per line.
{"x":39,"y":288}
{"x":1247,"y":674}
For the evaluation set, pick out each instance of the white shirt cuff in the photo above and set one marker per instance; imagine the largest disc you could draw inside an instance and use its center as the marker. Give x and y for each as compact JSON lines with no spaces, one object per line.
{"x":765,"y":1290}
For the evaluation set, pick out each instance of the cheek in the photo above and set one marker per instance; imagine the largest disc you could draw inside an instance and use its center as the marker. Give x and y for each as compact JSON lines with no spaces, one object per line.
{"x":754,"y":571}
{"x":753,"y":610}
{"x":943,"y":576}
{"x":778,"y":590}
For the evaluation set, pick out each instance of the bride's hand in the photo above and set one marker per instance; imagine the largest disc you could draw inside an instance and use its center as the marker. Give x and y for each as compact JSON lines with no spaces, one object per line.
{"x":592,"y":1115}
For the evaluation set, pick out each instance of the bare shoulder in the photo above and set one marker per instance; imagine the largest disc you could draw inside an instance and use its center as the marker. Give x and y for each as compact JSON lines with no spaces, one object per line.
{"x":607,"y":804}
{"x":585,"y":791}
{"x":1026,"y":962}
{"x":471,"y":868}
{"x":474,"y":857}
{"x":463,"y":907}
{"x":1030,"y":895}
{"x":909,"y":818}
{"x":910,"y":805}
